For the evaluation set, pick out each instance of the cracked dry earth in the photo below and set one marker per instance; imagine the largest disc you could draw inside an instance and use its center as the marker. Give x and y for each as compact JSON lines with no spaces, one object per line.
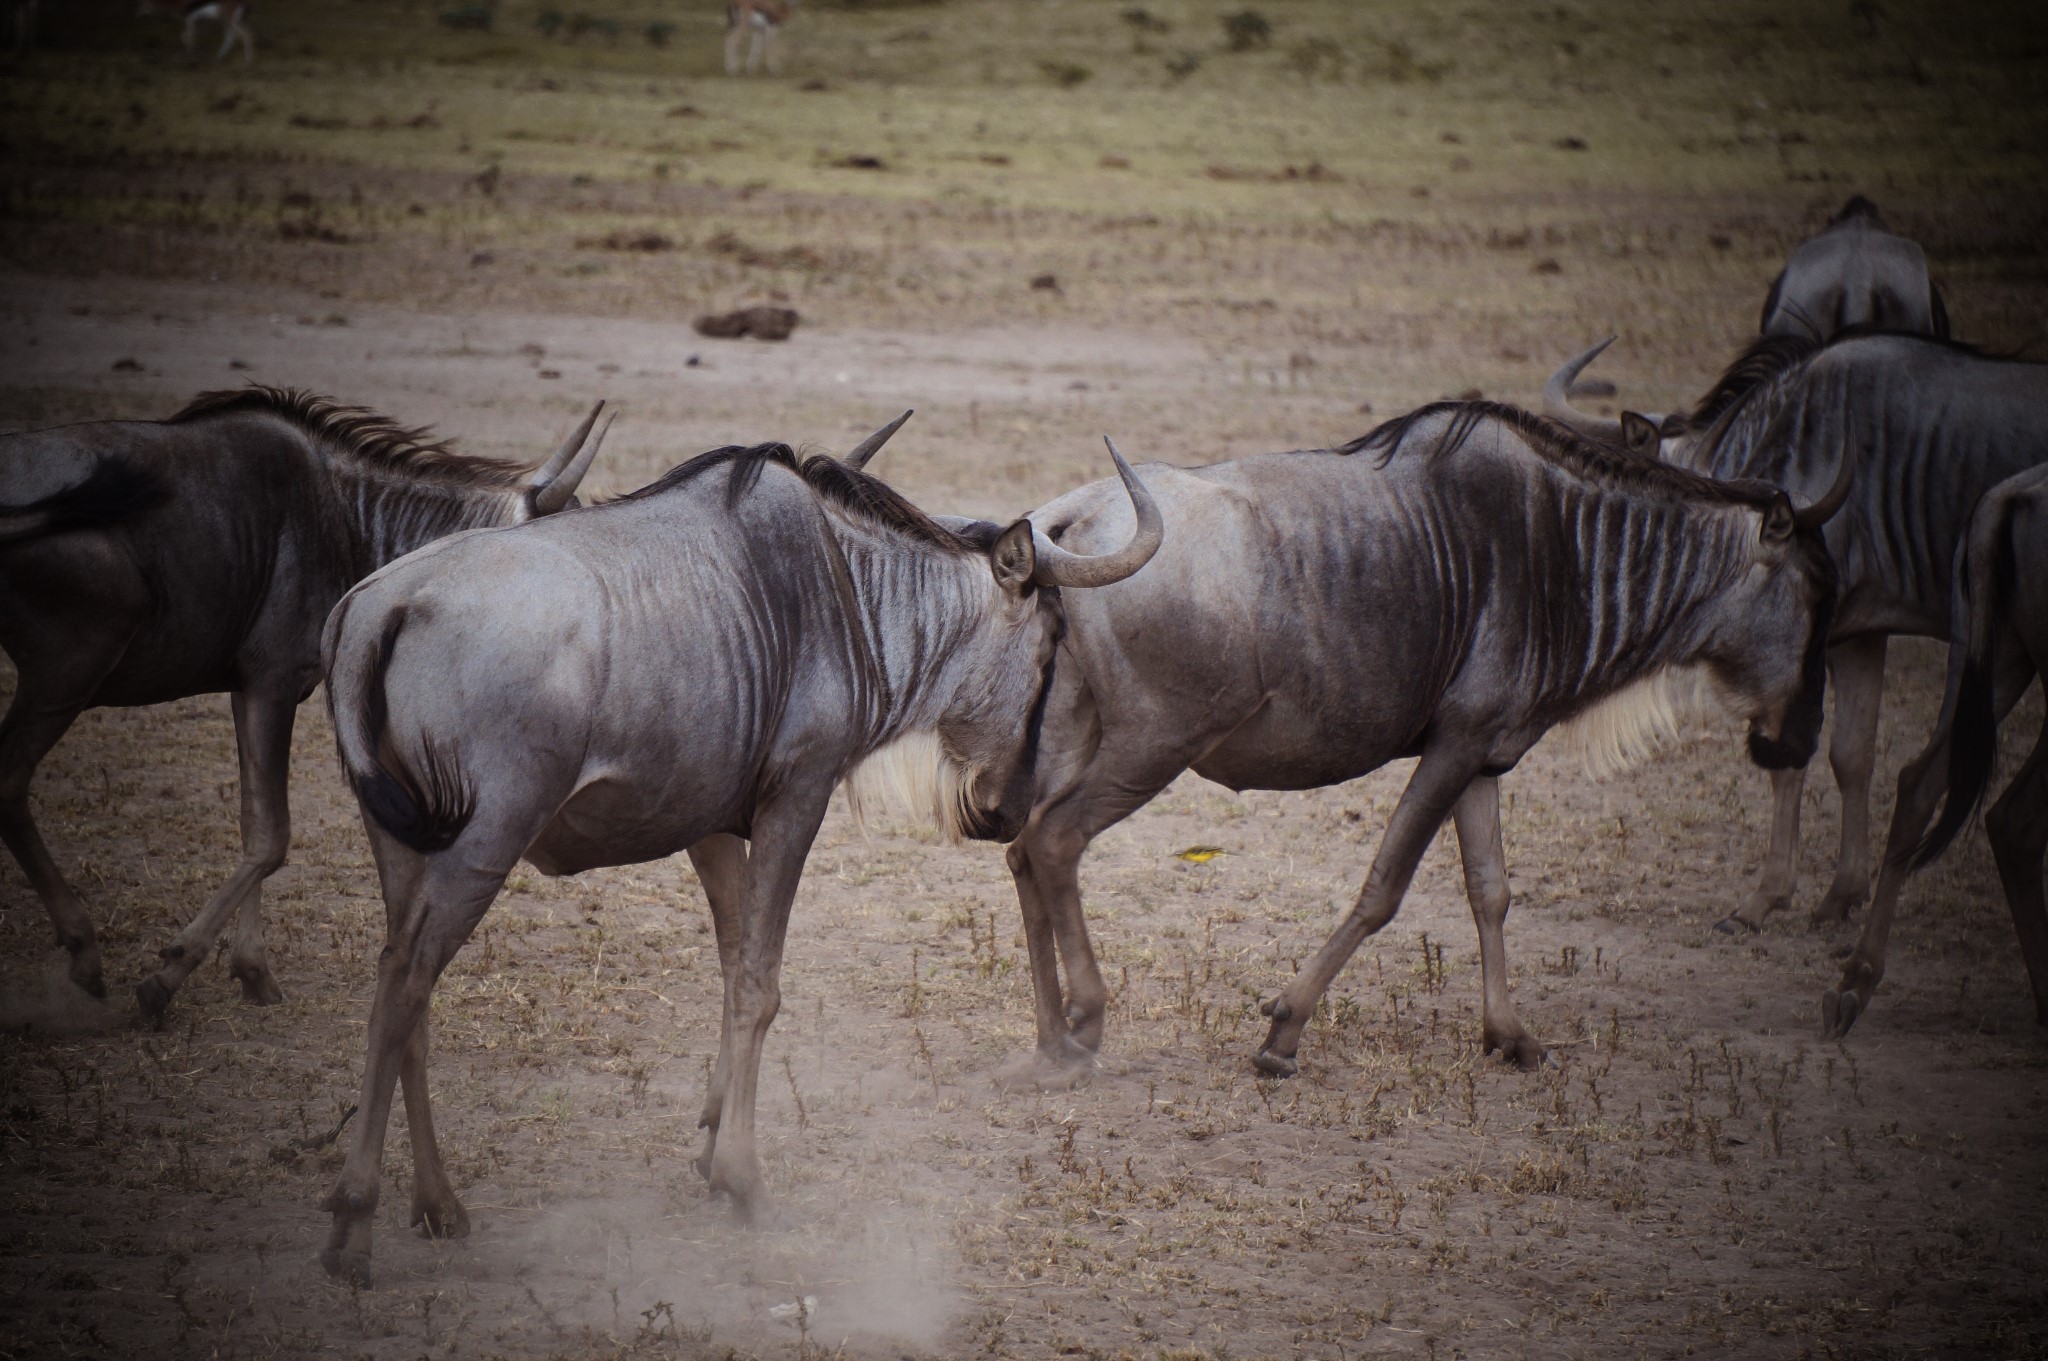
{"x":1695,"y":1172}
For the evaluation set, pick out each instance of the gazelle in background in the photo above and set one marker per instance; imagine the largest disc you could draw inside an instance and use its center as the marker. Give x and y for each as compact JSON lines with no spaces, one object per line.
{"x":232,"y":14}
{"x":761,"y":18}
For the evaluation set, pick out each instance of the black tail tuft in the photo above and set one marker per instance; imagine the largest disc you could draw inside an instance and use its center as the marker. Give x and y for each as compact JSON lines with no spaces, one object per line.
{"x":115,"y":491}
{"x":1972,"y":750}
{"x":428,"y":810}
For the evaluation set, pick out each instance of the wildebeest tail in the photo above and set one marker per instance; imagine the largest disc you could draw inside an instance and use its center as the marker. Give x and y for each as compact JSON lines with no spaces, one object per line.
{"x":424,"y":801}
{"x":116,"y":490}
{"x":1988,"y":570}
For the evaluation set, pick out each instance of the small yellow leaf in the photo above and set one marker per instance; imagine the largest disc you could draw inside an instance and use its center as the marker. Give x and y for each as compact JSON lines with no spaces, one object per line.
{"x":1200,"y":855}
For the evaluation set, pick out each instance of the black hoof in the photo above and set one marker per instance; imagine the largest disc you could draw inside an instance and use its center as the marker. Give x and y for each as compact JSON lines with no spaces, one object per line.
{"x":154,"y":999}
{"x":1838,"y":1012}
{"x":1734,"y":926}
{"x":346,"y":1265}
{"x":1275,"y":1065}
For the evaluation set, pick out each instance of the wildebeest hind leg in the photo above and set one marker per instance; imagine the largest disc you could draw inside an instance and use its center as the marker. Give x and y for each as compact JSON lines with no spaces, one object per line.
{"x":431,"y":904}
{"x":782,"y":835}
{"x":1486,"y":886}
{"x":2018,"y":829}
{"x":1857,"y":668}
{"x":436,"y":1213}
{"x":263,"y":733}
{"x":1439,"y":780}
{"x":721,"y":863}
{"x":1774,"y":885}
{"x":33,"y":724}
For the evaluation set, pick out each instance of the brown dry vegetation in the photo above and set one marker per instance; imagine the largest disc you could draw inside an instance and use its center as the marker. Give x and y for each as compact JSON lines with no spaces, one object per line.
{"x":1378,"y":208}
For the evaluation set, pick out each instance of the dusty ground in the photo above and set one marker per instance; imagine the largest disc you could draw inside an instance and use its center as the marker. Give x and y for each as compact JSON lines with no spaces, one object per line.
{"x":1697,"y":1173}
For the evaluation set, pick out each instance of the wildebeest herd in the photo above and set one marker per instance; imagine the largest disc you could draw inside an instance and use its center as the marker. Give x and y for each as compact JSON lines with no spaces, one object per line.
{"x":697,"y":665}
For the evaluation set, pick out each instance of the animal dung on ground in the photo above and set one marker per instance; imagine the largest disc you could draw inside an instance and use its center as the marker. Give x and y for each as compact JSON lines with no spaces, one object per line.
{"x":760,"y":323}
{"x":648,"y":242}
{"x":1047,"y":283}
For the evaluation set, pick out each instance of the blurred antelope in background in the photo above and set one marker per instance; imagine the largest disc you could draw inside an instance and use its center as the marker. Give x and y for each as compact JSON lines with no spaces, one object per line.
{"x":763,"y":19}
{"x":232,"y":14}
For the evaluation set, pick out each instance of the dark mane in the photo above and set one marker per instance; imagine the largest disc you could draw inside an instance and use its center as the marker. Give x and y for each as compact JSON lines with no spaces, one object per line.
{"x":850,"y":489}
{"x":1557,"y":445}
{"x":361,"y":434}
{"x":1770,"y":358}
{"x":1767,"y":358}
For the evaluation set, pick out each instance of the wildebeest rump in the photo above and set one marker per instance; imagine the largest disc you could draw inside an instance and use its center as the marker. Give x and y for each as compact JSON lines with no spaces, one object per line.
{"x":1449,"y":586}
{"x":699,"y":663}
{"x":1998,"y":644}
{"x":1942,"y":423}
{"x":1855,"y":272}
{"x":145,"y":561}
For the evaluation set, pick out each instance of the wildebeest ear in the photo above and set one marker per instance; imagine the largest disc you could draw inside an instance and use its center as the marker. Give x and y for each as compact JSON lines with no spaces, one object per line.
{"x":1640,"y":434}
{"x":1014,"y":558}
{"x":1779,"y":521}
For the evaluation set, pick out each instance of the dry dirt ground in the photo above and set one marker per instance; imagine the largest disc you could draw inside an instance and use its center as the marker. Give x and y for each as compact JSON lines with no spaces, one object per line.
{"x":1694,"y":1173}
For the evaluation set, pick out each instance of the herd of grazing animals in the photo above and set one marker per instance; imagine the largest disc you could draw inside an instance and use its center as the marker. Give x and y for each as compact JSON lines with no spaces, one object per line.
{"x":697,"y":665}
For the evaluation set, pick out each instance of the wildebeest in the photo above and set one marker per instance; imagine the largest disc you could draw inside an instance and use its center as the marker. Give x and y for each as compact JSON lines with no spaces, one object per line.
{"x":698,"y":663}
{"x":146,"y":561}
{"x":1943,"y":423}
{"x":1449,"y":586}
{"x":1854,"y":273}
{"x":1997,"y":646}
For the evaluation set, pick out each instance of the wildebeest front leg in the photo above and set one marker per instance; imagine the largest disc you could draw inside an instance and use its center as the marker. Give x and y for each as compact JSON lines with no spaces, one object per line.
{"x":263,"y":733}
{"x":1857,"y":670}
{"x":1486,"y":887}
{"x":33,"y":724}
{"x":2017,"y":826}
{"x":1921,"y":785}
{"x":1439,"y":779}
{"x":1774,"y":886}
{"x":721,"y":863}
{"x":1057,"y":1055}
{"x":782,"y":835}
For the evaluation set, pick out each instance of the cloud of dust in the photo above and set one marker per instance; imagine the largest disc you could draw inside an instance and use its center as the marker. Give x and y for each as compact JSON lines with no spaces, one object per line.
{"x":860,"y":1234}
{"x":49,"y":1003}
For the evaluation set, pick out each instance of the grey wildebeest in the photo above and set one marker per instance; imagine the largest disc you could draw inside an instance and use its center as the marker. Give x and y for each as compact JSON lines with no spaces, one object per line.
{"x":693,"y":667}
{"x":1854,"y":273}
{"x":1449,"y":586}
{"x":1997,"y":646}
{"x":146,"y":561}
{"x":1942,"y":423}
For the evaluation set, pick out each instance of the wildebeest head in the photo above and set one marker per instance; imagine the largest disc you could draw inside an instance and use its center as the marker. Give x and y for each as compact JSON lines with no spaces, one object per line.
{"x":973,"y":767}
{"x":1767,"y":642}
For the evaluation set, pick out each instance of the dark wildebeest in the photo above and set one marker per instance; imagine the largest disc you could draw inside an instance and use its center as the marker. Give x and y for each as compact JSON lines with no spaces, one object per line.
{"x":1854,"y":273}
{"x":1450,"y":586}
{"x":700,"y":662}
{"x":146,"y":561}
{"x":1997,"y":646}
{"x":1943,"y":424}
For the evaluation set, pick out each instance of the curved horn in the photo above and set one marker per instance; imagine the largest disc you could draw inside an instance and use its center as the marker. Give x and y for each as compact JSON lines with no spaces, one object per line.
{"x":858,"y":456}
{"x":1057,"y":567}
{"x":556,"y":494}
{"x":1557,"y":406}
{"x":558,"y":460}
{"x":1823,"y":510}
